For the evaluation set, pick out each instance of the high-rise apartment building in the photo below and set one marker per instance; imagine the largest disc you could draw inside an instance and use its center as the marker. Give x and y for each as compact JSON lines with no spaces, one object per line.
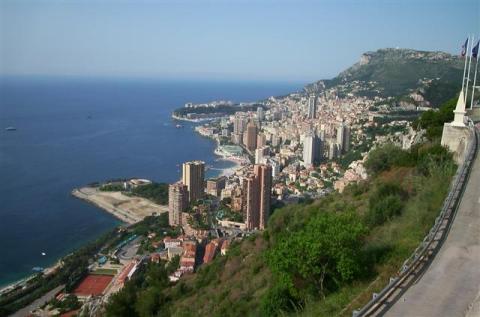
{"x":250,"y":139}
{"x":194,"y":178}
{"x":260,"y":114}
{"x":251,"y":204}
{"x":309,"y":150}
{"x":312,"y":149}
{"x":239,"y":124}
{"x":177,"y":203}
{"x":261,"y":140}
{"x":312,"y":106}
{"x":264,"y":175}
{"x":343,"y":137}
{"x":257,"y":189}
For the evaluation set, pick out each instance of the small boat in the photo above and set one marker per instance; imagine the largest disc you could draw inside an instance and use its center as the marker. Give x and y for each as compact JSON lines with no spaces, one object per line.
{"x":37,"y":269}
{"x":10,"y":129}
{"x":178,"y":126}
{"x":43,"y":253}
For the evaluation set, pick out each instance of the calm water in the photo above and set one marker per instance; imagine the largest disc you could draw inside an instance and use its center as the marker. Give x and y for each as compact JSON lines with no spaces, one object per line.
{"x":57,"y":147}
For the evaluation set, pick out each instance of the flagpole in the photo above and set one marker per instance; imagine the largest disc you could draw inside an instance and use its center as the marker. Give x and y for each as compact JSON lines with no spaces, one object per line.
{"x":465,"y":65}
{"x":474,"y":82}
{"x":468,"y":75}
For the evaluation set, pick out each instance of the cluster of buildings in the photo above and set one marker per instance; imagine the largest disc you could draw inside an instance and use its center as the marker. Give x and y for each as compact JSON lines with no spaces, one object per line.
{"x":299,"y":137}
{"x":189,"y":189}
{"x":255,"y":192}
{"x":289,"y":147}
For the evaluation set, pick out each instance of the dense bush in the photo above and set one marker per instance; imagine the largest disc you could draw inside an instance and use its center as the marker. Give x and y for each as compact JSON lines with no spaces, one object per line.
{"x":422,"y":156}
{"x":317,"y":258}
{"x":384,"y":157}
{"x":432,"y":121}
{"x":385,"y":203}
{"x":157,"y":192}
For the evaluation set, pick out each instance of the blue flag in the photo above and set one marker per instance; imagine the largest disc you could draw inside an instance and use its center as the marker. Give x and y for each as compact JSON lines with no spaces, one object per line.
{"x":464,"y":48}
{"x":475,"y":50}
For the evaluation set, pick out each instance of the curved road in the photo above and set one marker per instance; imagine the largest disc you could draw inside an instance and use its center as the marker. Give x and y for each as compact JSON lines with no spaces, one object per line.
{"x":451,"y":285}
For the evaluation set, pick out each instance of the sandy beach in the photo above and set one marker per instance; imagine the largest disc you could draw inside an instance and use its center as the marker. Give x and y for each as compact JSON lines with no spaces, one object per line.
{"x":129,"y":209}
{"x":231,"y":170}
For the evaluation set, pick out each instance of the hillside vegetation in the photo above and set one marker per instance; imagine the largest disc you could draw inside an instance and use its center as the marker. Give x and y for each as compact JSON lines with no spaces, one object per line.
{"x":397,"y":72}
{"x":318,"y":259}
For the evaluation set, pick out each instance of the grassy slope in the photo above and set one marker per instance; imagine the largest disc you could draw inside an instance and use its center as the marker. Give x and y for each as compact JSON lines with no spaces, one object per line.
{"x":229,"y":286}
{"x":234,"y":285}
{"x":393,"y":242}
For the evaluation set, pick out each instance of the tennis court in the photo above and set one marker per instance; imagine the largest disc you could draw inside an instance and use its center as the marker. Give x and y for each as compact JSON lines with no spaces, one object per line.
{"x":93,"y":284}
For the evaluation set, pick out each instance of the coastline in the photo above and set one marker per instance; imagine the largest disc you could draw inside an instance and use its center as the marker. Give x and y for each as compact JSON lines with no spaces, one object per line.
{"x":229,"y":170}
{"x":128,"y":209}
{"x":125,"y":215}
{"x":199,"y":120}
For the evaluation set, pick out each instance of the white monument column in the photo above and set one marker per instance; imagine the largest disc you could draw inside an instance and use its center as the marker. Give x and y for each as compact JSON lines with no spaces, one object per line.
{"x":459,"y":119}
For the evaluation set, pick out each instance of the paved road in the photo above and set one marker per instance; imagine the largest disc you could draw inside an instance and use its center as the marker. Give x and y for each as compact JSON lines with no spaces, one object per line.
{"x":451,"y":286}
{"x":37,"y":303}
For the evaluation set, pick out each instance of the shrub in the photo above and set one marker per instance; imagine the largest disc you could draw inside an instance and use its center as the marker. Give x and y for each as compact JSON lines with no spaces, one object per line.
{"x":432,"y":121}
{"x":385,"y":203}
{"x":384,"y":157}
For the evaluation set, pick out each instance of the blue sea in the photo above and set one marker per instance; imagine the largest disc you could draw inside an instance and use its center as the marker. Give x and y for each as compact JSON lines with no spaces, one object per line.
{"x":71,"y":132}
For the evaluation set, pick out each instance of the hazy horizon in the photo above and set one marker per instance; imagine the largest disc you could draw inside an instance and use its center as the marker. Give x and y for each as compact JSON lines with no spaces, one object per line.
{"x":293,"y":41}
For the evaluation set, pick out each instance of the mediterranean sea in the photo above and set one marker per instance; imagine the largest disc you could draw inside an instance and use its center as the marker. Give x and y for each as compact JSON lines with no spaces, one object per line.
{"x":71,"y":132}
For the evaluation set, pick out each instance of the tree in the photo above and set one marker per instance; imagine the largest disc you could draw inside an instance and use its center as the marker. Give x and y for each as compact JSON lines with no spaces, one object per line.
{"x":149,"y":302}
{"x":325,"y":251}
{"x":432,"y":121}
{"x":122,"y":304}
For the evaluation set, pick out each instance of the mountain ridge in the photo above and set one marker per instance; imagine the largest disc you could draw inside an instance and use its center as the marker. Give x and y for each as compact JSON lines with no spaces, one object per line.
{"x":397,"y":73}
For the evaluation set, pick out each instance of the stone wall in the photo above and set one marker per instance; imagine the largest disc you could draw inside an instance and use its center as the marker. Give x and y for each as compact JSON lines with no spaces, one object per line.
{"x":457,"y":139}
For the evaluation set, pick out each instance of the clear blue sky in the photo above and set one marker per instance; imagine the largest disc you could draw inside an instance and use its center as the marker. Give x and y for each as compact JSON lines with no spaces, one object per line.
{"x":222,"y":39}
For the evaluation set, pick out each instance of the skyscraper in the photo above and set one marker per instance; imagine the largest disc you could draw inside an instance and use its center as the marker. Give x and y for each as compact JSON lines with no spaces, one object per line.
{"x":264,"y":175}
{"x":309,"y":149}
{"x":193,"y":177}
{"x":257,"y":188}
{"x":251,"y":203}
{"x":177,"y":203}
{"x":346,"y":139}
{"x":261,"y":140}
{"x":260,"y":114}
{"x":251,"y":136}
{"x":239,"y":124}
{"x":312,"y":149}
{"x":343,"y":137}
{"x":312,"y":106}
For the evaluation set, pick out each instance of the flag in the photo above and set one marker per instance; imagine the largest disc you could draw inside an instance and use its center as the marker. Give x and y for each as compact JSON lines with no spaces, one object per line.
{"x":475,"y":50}
{"x":464,"y":48}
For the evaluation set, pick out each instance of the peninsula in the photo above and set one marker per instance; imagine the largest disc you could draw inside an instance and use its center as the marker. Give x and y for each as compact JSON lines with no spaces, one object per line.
{"x":123,"y":199}
{"x":213,"y":110}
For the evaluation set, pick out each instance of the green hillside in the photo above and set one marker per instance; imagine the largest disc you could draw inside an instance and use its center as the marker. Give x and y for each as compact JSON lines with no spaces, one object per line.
{"x":397,"y":72}
{"x":315,"y":259}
